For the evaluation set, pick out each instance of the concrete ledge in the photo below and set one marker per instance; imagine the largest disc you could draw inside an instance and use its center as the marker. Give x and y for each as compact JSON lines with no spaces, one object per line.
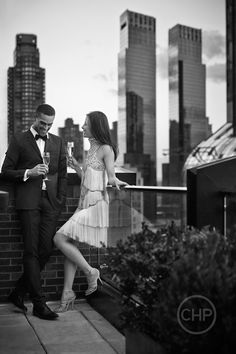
{"x":17,"y":335}
{"x":81,"y":330}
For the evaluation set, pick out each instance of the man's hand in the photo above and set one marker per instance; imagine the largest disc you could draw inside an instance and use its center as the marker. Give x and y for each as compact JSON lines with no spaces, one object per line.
{"x":40,"y":169}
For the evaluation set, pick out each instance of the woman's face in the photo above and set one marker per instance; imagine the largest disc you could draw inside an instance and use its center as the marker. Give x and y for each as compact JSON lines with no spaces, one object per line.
{"x":86,"y":128}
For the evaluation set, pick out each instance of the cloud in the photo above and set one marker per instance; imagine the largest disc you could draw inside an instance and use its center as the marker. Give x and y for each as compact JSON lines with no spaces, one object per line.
{"x":105,"y":77}
{"x":162,"y":62}
{"x":101,"y":77}
{"x":216,"y":72}
{"x":213,"y":49}
{"x":113,"y":92}
{"x":213,"y":45}
{"x":107,"y":80}
{"x":87,"y":42}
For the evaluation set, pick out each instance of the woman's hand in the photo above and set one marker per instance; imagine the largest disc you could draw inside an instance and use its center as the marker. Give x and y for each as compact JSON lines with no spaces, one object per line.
{"x":107,"y":155}
{"x":117,"y":183}
{"x":73,"y":163}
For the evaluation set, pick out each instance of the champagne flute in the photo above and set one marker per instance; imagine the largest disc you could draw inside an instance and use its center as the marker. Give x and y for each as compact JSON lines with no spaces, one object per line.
{"x":46,"y":161}
{"x":70,"y":147}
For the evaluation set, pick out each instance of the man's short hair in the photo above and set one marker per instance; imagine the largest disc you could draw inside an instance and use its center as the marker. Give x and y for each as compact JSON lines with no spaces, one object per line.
{"x":45,"y":109}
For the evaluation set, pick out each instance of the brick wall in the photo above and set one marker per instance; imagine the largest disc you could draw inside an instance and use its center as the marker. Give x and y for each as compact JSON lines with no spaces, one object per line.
{"x":11,"y":250}
{"x":11,"y":246}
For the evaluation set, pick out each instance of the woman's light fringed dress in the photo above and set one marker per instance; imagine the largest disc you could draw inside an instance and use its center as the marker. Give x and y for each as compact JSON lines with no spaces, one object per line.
{"x":90,"y":221}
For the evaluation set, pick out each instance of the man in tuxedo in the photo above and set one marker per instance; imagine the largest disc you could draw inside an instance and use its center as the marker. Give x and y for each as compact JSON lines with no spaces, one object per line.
{"x":38,"y":201}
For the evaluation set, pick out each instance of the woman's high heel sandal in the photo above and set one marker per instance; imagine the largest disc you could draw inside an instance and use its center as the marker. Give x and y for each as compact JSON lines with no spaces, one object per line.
{"x":92,"y":278}
{"x":67,"y":301}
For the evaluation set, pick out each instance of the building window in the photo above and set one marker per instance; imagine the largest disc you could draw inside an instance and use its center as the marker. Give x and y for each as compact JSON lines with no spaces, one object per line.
{"x":123,"y":25}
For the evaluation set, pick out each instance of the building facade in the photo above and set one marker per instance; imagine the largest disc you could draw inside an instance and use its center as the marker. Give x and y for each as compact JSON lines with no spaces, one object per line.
{"x":222,"y":144}
{"x":187,"y":99}
{"x":231,"y":62}
{"x":113,"y":132}
{"x":26,"y":84}
{"x":72,"y":133}
{"x":137,"y":94}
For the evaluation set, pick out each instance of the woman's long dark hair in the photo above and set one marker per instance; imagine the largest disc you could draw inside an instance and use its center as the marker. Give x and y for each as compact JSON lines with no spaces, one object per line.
{"x":100,"y":130}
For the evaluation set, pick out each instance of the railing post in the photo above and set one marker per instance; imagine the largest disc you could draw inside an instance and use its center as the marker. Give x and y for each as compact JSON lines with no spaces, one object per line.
{"x":224,"y":214}
{"x":225,"y":194}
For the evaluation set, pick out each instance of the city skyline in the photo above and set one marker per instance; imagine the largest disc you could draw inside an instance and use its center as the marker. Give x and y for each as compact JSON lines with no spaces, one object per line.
{"x":26,"y":85}
{"x":187,"y":98}
{"x":137,"y":94}
{"x":79,"y":50}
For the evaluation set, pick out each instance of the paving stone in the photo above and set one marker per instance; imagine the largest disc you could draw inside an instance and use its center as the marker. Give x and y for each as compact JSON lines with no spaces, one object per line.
{"x":81,"y":330}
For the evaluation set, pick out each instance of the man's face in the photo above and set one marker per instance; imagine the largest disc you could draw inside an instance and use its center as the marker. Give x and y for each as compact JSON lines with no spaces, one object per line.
{"x":43,"y":123}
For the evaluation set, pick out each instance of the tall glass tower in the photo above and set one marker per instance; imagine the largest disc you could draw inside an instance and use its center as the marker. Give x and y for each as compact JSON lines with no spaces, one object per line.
{"x":26,"y":84}
{"x":187,"y":98}
{"x":231,"y":62}
{"x":222,"y":143}
{"x":137,"y":94}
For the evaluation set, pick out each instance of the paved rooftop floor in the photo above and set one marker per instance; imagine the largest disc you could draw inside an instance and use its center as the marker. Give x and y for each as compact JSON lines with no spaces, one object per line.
{"x":82,"y":330}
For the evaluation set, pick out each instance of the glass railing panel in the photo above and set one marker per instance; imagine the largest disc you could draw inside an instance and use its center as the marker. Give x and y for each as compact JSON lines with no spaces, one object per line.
{"x":135,"y":208}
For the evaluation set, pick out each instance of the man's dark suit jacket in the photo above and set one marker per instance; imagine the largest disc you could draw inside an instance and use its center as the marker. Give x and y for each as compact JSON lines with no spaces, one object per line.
{"x":23,"y":153}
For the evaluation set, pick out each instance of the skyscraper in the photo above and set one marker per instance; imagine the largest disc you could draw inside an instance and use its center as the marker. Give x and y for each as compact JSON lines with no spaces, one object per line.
{"x":231,"y":62}
{"x":113,"y":132}
{"x":222,"y":143}
{"x":26,"y":84}
{"x":137,"y":94}
{"x":187,"y":99}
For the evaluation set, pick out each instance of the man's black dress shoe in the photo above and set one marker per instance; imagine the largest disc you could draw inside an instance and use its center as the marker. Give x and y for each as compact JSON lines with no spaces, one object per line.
{"x":17,"y":300}
{"x":42,"y":311}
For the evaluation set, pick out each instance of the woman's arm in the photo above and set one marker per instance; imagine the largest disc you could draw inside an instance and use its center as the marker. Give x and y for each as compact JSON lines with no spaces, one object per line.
{"x":109,"y":158}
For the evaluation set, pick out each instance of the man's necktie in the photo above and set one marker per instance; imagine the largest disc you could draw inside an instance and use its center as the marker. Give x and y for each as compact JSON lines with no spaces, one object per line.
{"x":37,"y":136}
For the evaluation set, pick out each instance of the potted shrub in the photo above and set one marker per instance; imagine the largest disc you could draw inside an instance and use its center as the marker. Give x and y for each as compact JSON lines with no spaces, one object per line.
{"x":160,"y":273}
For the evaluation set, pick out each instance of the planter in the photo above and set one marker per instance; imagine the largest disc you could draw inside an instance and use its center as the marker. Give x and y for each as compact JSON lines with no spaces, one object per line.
{"x":140,"y":343}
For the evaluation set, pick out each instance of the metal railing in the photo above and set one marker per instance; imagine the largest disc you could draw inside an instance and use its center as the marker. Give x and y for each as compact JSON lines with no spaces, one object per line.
{"x":161,"y":189}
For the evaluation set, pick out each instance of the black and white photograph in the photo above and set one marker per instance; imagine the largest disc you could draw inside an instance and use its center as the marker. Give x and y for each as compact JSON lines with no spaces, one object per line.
{"x":118,"y":176}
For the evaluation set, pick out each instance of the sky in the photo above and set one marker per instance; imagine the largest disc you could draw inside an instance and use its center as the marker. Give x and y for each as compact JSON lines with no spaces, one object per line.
{"x":78,"y":42}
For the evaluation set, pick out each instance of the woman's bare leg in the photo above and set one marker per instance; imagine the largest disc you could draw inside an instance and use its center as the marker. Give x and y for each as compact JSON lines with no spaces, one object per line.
{"x":69,"y":274}
{"x":72,"y":253}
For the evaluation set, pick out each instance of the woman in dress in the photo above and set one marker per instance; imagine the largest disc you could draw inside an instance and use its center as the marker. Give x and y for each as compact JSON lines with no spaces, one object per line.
{"x":89,"y":222}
